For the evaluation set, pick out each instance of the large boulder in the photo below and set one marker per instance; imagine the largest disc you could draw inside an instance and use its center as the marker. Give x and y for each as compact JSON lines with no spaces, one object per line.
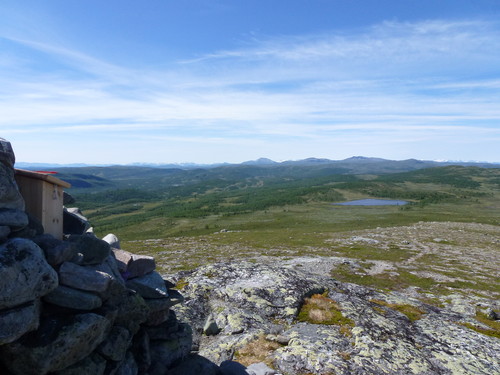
{"x":57,"y":344}
{"x":56,"y":251}
{"x":164,"y":353}
{"x":83,"y":278}
{"x":94,"y":250}
{"x":133,"y":265}
{"x":25,"y":275}
{"x":17,"y":321}
{"x":151,"y":285}
{"x":70,"y":298}
{"x":115,"y":346}
{"x":10,"y":197}
{"x":13,"y":218}
{"x":74,"y":222}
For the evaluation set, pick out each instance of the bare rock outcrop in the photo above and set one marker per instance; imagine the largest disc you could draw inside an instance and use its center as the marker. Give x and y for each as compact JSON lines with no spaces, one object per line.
{"x":368,"y":332}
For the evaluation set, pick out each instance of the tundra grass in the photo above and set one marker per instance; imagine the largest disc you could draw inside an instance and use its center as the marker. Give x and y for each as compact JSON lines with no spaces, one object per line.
{"x":319,"y":309}
{"x":412,"y":313}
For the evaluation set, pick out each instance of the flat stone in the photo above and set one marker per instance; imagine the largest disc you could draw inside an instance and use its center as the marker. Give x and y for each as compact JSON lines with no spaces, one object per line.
{"x":149,"y":286}
{"x":73,"y":298}
{"x":74,"y":222}
{"x":115,"y":346}
{"x":16,"y":321}
{"x":83,"y":278}
{"x":123,"y":258}
{"x":25,"y":275}
{"x":93,"y":249}
{"x":113,"y":241}
{"x":57,"y":344}
{"x":140,"y":265}
{"x":15,"y":219}
{"x":56,"y":251}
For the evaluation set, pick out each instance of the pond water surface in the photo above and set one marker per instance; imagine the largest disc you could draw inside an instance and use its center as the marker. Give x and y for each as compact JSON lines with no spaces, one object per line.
{"x":373,"y":202}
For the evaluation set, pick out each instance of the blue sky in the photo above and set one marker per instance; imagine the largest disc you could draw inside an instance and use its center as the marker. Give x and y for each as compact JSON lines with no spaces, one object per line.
{"x":160,"y":81}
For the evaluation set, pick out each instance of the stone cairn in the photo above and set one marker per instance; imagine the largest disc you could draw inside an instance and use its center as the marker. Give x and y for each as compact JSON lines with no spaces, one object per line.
{"x":80,"y":305}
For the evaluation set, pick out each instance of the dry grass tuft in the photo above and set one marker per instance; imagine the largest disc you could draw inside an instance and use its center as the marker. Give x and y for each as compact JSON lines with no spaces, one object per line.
{"x":319,"y":309}
{"x":256,"y":351}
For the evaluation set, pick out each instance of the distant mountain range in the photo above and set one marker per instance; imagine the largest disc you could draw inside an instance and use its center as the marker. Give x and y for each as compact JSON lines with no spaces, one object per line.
{"x":411,"y":163}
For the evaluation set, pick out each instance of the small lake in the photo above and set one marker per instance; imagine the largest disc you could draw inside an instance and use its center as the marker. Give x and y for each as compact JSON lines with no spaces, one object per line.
{"x":373,"y":202}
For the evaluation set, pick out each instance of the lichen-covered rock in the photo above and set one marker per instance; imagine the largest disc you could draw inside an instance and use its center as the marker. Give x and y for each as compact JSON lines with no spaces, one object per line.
{"x":151,"y":285}
{"x":132,"y":311}
{"x":159,"y":309}
{"x":83,"y":278}
{"x":57,"y":344}
{"x":123,"y":258}
{"x":17,"y":321}
{"x":93,"y":249}
{"x":140,"y":265}
{"x":113,"y":241}
{"x":164,"y":353}
{"x":32,"y":229}
{"x":24,"y":273}
{"x":74,"y":222}
{"x":56,"y":251}
{"x":241,"y":297}
{"x":73,"y":298}
{"x":376,"y":333}
{"x":13,"y":218}
{"x":260,"y":368}
{"x":115,"y":346}
{"x":10,"y":197}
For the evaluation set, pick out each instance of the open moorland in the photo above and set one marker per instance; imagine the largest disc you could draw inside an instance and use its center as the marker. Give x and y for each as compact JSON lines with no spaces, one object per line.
{"x":445,"y":240}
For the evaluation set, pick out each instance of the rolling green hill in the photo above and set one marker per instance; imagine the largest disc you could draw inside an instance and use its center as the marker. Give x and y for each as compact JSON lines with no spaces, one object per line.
{"x":139,"y":202}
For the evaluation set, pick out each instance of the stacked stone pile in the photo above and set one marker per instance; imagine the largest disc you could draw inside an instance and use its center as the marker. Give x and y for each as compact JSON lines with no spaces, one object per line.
{"x":79,"y":305}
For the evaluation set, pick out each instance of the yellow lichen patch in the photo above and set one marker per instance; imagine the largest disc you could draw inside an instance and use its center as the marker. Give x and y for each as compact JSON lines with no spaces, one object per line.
{"x":319,"y":309}
{"x":256,"y":351}
{"x":412,"y":313}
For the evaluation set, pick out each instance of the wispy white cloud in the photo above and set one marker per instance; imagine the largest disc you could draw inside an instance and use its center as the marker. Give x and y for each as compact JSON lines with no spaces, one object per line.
{"x":392,"y":83}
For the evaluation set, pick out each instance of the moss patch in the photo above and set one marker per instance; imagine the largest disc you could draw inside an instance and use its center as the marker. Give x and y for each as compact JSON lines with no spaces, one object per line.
{"x":412,"y":313}
{"x":494,"y":326}
{"x":319,"y":309}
